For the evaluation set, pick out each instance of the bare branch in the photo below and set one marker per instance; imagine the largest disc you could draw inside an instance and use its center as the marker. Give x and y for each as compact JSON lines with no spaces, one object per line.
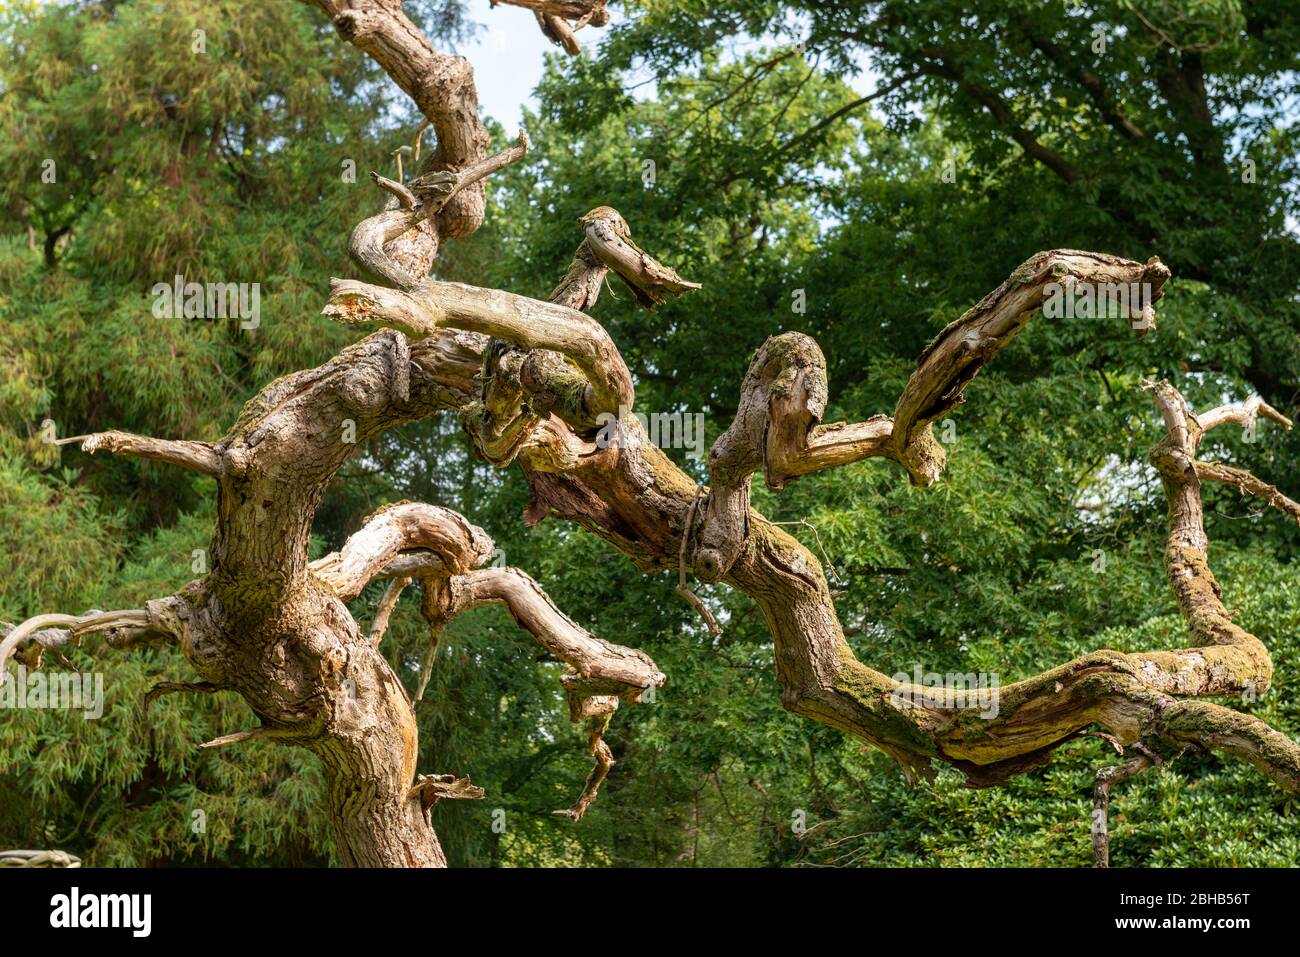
{"x":1107,"y":778}
{"x":527,"y":322}
{"x":24,"y":858}
{"x":432,"y":788}
{"x":610,"y":240}
{"x":598,"y":667}
{"x":580,"y":287}
{"x":957,"y":354}
{"x":384,"y":610}
{"x":558,"y":32}
{"x":239,"y":737}
{"x":553,"y":16}
{"x":600,"y":673}
{"x":196,"y":456}
{"x":438,"y":188}
{"x":598,"y":749}
{"x":1244,"y":736}
{"x":682,"y":588}
{"x":393,"y":529}
{"x":525,"y":388}
{"x":127,"y":629}
{"x":1248,"y":484}
{"x":399,"y":244}
{"x":405,"y":198}
{"x":442,"y":86}
{"x":776,"y":428}
{"x":175,"y":687}
{"x":1243,"y":415}
{"x":413,"y":564}
{"x":778,"y":421}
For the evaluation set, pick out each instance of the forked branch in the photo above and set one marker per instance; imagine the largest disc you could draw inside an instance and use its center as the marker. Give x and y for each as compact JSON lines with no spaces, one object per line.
{"x":531,"y":377}
{"x":778,"y":424}
{"x":447,"y":550}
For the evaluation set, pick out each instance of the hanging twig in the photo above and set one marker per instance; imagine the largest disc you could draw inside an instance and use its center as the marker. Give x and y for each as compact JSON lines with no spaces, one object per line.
{"x":682,"y":588}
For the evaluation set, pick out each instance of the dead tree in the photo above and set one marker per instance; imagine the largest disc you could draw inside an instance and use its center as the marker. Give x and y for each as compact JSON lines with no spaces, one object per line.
{"x":529,"y":380}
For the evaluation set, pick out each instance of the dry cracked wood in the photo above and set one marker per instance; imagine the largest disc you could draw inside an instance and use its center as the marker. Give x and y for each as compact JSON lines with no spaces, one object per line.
{"x":529,"y":379}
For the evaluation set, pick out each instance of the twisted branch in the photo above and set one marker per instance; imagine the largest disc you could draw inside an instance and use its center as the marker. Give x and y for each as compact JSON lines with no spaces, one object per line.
{"x":127,"y":629}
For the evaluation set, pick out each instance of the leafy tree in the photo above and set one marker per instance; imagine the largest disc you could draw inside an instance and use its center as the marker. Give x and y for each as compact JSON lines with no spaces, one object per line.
{"x":758,"y":171}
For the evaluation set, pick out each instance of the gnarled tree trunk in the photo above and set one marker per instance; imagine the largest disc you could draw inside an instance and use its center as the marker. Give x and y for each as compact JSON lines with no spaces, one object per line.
{"x":531,"y":380}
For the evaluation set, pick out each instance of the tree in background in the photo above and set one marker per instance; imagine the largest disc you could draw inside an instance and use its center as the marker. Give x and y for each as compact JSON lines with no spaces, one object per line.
{"x":746,"y":218}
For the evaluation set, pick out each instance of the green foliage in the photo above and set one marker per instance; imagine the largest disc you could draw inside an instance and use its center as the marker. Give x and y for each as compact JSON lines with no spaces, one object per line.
{"x":225,"y":166}
{"x":1043,"y":540}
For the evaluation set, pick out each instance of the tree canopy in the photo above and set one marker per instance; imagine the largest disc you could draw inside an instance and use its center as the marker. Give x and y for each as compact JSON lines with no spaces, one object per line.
{"x":862,"y":173}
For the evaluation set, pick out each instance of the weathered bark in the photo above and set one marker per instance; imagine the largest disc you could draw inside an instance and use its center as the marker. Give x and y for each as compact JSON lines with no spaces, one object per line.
{"x":528,"y":322}
{"x":530,"y":380}
{"x":442,"y":87}
{"x":274,"y":629}
{"x":635,"y":498}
